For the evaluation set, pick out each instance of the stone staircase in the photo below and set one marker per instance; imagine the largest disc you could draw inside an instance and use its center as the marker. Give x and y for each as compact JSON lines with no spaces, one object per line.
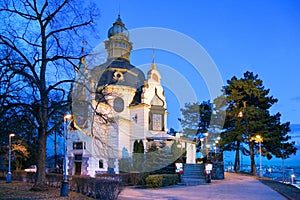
{"x":193,"y":174}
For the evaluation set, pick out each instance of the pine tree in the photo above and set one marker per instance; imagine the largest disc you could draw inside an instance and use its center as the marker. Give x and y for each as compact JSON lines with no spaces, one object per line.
{"x":247,"y":115}
{"x":151,"y":155}
{"x":196,"y":118}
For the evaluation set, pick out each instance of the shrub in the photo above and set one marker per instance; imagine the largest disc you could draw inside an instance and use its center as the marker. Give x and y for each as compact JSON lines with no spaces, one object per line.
{"x":161,"y":180}
{"x":138,"y":178}
{"x":154,"y":181}
{"x":170,"y":179}
{"x":101,"y":188}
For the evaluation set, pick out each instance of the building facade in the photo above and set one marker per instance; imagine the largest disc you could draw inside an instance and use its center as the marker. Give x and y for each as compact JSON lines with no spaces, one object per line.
{"x":114,"y":105}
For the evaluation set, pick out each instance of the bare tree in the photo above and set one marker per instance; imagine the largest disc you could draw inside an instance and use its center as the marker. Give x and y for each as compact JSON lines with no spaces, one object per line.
{"x":40,"y":39}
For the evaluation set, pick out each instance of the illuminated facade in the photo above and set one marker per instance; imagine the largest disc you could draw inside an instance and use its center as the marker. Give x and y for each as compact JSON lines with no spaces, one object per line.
{"x":126,"y":107}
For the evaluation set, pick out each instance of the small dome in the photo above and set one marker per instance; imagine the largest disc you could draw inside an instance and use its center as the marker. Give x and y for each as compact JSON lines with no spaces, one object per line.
{"x":118,"y":28}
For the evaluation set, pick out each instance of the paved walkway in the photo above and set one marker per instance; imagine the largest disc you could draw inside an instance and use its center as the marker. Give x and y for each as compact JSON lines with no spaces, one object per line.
{"x":233,"y":187}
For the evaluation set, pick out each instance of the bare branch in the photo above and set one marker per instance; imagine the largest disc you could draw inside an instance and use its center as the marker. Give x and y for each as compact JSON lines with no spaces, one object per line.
{"x":51,"y":87}
{"x":48,"y":19}
{"x":16,"y":11}
{"x":10,"y":44}
{"x":69,"y":28}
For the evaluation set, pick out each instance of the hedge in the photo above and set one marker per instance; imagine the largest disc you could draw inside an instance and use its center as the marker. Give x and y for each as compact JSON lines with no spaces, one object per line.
{"x":161,"y":180}
{"x":108,"y":187}
{"x":101,"y":188}
{"x":132,"y":178}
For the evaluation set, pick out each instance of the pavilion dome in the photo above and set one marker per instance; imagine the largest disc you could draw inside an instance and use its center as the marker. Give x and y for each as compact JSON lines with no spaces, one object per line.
{"x":118,"y":28}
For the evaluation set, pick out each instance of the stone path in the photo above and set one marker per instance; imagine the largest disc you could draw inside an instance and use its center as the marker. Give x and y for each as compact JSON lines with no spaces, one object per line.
{"x":233,"y":187}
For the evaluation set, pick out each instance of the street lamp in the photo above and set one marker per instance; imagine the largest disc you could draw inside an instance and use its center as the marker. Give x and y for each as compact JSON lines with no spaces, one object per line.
{"x":65,"y":185}
{"x":240,"y":115}
{"x":240,"y":166}
{"x":292,"y":177}
{"x":8,"y":175}
{"x":259,"y":139}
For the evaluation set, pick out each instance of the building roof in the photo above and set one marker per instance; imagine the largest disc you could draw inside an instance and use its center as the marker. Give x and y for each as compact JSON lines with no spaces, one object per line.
{"x":119,"y":71}
{"x":159,"y":135}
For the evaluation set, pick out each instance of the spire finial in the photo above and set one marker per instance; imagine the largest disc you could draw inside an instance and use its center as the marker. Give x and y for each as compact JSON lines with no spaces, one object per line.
{"x":153,"y":66}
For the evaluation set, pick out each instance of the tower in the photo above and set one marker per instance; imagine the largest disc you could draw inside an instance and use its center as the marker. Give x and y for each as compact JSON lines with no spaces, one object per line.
{"x":118,"y":45}
{"x":118,"y":87}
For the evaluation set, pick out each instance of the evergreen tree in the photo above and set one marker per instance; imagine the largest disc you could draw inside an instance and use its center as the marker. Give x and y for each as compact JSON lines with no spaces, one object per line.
{"x":177,"y":151}
{"x":196,"y":118}
{"x":138,"y":156}
{"x":150,"y":163}
{"x":199,"y":119}
{"x":164,"y":161}
{"x":158,"y":158}
{"x":247,"y":115}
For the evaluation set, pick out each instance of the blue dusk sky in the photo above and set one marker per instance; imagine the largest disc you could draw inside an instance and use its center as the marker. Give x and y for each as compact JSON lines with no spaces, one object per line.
{"x":240,"y":35}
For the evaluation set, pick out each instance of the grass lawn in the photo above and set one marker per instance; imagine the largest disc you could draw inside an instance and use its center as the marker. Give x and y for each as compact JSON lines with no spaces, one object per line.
{"x":21,"y":190}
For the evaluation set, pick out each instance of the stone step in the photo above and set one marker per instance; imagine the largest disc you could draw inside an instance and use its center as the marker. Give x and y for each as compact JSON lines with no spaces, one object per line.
{"x":193,"y":166}
{"x":193,"y":171}
{"x":193,"y":181}
{"x":193,"y":175}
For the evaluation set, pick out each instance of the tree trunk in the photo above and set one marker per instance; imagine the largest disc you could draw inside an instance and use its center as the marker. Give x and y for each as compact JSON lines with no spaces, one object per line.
{"x":253,"y":167}
{"x":55,"y":150}
{"x":40,"y":181}
{"x":237,"y":158}
{"x":41,"y":161}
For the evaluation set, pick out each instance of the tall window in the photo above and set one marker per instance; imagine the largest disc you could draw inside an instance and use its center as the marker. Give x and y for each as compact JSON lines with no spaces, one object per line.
{"x":157,"y":122}
{"x":156,"y":118}
{"x":101,"y":164}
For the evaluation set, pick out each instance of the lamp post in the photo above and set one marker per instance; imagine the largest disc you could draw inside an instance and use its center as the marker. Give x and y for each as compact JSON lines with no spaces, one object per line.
{"x":65,"y":185}
{"x":240,"y":165}
{"x":292,"y":177}
{"x":259,"y":139}
{"x":8,"y":175}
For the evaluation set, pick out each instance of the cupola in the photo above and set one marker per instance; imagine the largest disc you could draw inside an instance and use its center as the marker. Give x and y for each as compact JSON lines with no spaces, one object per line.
{"x":118,"y":45}
{"x":118,"y":28}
